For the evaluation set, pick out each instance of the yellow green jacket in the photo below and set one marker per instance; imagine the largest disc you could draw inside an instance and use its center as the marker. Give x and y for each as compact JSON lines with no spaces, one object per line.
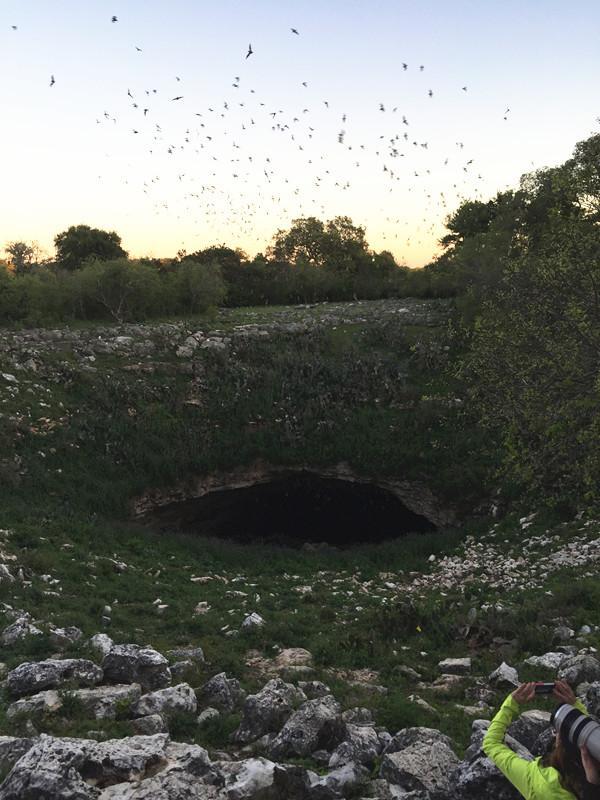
{"x":534,"y":781}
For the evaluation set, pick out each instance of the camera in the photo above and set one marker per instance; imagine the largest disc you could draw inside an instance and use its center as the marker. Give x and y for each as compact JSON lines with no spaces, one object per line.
{"x":577,"y":728}
{"x":544,"y":688}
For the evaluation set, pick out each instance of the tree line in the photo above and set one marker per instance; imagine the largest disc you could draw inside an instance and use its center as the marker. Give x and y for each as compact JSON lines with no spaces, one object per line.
{"x":91,"y":276}
{"x":528,"y":262}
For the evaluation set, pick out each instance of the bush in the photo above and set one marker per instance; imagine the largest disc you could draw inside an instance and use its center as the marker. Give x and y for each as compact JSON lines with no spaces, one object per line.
{"x":198,"y":286}
{"x":124,"y":290}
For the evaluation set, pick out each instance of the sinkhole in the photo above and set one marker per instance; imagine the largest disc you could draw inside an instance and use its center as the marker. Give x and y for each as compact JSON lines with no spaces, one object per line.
{"x":293,"y":510}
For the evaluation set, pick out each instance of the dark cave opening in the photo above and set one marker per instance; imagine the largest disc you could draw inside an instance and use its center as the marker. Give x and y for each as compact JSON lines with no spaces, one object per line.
{"x":294,"y":509}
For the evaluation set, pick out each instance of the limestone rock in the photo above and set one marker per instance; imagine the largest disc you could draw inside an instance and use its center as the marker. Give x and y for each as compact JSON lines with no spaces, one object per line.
{"x":362,"y":746}
{"x":421,"y":766}
{"x":345,"y":781}
{"x":103,"y":701}
{"x":148,"y":726}
{"x":64,"y":637}
{"x":445,"y":684}
{"x":505,"y":677}
{"x":418,"y":701}
{"x":552,"y":660}
{"x":359,"y":716}
{"x":253,"y":620}
{"x":382,"y":790}
{"x":129,"y":759}
{"x":477,"y":776}
{"x":580,"y":668}
{"x":43,"y":702}
{"x":18,"y":630}
{"x":169,"y":701}
{"x":527,"y":728}
{"x":253,"y":777}
{"x":101,"y":644}
{"x":293,"y":657}
{"x":266,"y":711}
{"x":316,"y":724}
{"x":49,"y":769}
{"x":261,"y":779}
{"x":31,"y":677}
{"x":417,"y":735}
{"x":138,"y":767}
{"x":408,"y":672}
{"x":313,"y":689}
{"x":180,"y":668}
{"x":562,"y":634}
{"x":293,"y":663}
{"x":11,"y":750}
{"x":129,"y":663}
{"x":223,"y":693}
{"x":206,"y":715}
{"x":592,"y":698}
{"x":195,"y":654}
{"x":455,"y":666}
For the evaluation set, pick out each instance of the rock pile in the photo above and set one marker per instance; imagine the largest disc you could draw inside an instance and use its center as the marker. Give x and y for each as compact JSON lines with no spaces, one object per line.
{"x":279,"y":724}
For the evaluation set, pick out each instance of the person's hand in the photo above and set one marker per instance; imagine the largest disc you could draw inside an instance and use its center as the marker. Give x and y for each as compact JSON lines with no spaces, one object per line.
{"x":591,"y":767}
{"x":524,"y":693}
{"x":563,"y":692}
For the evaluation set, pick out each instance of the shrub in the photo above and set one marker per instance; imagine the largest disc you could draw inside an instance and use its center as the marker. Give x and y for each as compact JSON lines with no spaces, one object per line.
{"x":126,"y":290}
{"x":198,"y":287}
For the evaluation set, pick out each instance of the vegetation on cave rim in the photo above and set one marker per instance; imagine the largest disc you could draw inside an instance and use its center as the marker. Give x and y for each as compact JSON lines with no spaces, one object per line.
{"x":373,"y":395}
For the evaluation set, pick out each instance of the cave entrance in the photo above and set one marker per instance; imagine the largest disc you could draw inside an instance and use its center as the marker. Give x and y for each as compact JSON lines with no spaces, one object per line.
{"x":297,"y":508}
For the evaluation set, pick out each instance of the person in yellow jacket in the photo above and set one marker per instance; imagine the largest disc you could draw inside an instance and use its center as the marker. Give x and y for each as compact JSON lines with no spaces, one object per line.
{"x":566,"y":773}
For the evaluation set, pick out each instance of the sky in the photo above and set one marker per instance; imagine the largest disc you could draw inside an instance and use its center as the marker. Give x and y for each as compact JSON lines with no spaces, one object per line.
{"x":249,"y":148}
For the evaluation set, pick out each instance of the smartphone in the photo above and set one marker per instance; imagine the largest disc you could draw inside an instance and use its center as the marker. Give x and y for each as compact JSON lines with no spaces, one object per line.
{"x":544,"y":688}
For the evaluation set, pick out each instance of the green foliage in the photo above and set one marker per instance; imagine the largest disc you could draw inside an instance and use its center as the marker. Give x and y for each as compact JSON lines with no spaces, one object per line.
{"x":337,"y":245}
{"x":527,"y":268}
{"x":216,"y":732}
{"x":80,"y":243}
{"x":10,"y":296}
{"x":312,"y":262}
{"x":182,"y":726}
{"x":121,"y":289}
{"x":198,"y":287}
{"x":23,"y":256}
{"x":396,"y":712}
{"x":72,"y":707}
{"x":533,"y":366}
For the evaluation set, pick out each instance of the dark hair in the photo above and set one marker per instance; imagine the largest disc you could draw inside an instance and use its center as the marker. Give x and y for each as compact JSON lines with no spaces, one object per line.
{"x":565,"y":757}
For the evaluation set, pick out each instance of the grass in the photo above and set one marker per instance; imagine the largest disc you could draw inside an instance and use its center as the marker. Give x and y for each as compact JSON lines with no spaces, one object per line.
{"x":332,"y":394}
{"x":362,"y":393}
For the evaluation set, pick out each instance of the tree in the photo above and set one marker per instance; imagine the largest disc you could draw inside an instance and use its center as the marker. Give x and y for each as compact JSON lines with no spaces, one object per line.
{"x":199,"y":286}
{"x":80,"y":243}
{"x":125,"y":290}
{"x":23,"y":256}
{"x":338,"y":245}
{"x":532,"y":368}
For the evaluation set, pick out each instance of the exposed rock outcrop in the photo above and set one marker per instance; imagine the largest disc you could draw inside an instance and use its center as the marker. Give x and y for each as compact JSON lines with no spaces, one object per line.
{"x":129,"y":663}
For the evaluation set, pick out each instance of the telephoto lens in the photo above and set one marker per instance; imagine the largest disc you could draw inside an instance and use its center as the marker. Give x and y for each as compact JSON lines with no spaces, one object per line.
{"x":577,"y":728}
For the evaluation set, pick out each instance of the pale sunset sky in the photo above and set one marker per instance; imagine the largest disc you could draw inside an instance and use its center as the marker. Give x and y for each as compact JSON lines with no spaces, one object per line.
{"x":249,"y":148}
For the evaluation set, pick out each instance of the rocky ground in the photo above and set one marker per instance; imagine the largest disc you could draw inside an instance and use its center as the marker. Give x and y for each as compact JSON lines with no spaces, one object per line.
{"x":292,"y":737}
{"x":27,"y":348}
{"x":281,"y":723}
{"x":142,"y":665}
